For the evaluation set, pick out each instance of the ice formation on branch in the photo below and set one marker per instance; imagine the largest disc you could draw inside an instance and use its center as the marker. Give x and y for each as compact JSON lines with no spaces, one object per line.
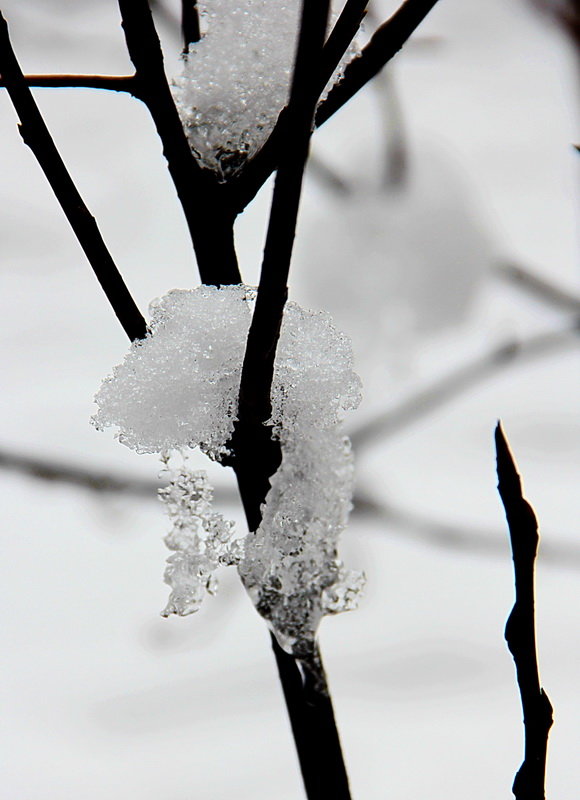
{"x":235,"y":81}
{"x":201,"y":539}
{"x":178,"y":388}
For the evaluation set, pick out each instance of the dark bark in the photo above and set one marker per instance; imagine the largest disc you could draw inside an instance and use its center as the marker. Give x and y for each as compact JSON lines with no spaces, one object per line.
{"x":36,"y":135}
{"x":520,"y":630}
{"x":189,"y":23}
{"x":116,"y":83}
{"x":385,"y":43}
{"x":207,"y":210}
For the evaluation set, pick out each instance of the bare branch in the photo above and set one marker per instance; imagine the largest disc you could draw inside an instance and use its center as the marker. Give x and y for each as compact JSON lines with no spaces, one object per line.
{"x":385,"y":43}
{"x":209,"y":216}
{"x":458,"y":381}
{"x":539,"y":287}
{"x":189,"y":23}
{"x":115,"y":83}
{"x":36,"y":135}
{"x":520,"y":630}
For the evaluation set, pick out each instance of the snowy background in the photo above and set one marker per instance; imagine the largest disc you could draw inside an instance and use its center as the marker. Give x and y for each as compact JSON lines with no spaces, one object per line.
{"x":100,"y":695}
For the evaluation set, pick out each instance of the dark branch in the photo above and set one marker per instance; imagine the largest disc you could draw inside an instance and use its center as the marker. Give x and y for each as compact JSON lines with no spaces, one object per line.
{"x":209,"y":217}
{"x":445,"y":389}
{"x":256,"y":455}
{"x":115,"y":83}
{"x":313,"y":725}
{"x":520,"y":632}
{"x":385,"y":43}
{"x":36,"y":135}
{"x":254,"y":406}
{"x":189,"y":23}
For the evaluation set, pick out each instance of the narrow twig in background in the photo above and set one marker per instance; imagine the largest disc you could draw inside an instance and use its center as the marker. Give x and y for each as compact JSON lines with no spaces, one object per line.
{"x":442,"y":390}
{"x":209,"y":217}
{"x":189,"y":23}
{"x":385,"y":43}
{"x":520,"y":632}
{"x":115,"y":83}
{"x":539,"y":287}
{"x":396,"y":150}
{"x":401,"y":522}
{"x":36,"y":135}
{"x":326,"y":176}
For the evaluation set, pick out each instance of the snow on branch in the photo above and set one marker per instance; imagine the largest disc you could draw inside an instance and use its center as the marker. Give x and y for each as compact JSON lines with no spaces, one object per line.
{"x":178,"y":388}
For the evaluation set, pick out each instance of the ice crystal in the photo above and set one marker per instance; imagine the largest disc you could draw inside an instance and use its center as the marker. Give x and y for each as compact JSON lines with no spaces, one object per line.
{"x":236,"y":80}
{"x":178,"y":388}
{"x":201,"y":539}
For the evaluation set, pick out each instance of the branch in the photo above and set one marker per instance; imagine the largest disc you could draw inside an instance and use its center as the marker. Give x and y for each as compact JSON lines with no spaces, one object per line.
{"x":256,"y":455}
{"x":36,"y":135}
{"x":313,"y":725}
{"x":209,"y":217}
{"x":245,"y":187}
{"x":520,"y":631}
{"x":539,"y":287}
{"x":385,"y":43}
{"x":116,"y":83}
{"x":189,"y":23}
{"x":462,"y":379}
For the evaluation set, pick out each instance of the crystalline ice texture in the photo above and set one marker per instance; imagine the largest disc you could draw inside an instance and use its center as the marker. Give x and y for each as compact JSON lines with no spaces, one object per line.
{"x":178,"y":388}
{"x":201,"y":540}
{"x":236,"y":80}
{"x":290,"y":565}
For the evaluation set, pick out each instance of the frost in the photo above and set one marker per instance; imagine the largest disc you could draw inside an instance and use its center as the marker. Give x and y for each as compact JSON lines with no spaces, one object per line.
{"x":202,"y":540}
{"x":178,"y":388}
{"x":236,"y":80}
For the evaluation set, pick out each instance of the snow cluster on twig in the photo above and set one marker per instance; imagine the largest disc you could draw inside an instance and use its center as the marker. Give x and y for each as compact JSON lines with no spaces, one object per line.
{"x":235,"y":80}
{"x":178,"y":389}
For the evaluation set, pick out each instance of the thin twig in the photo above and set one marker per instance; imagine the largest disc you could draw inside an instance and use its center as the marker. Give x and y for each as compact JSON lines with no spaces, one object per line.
{"x":462,"y":379}
{"x":36,"y":135}
{"x":116,"y":83}
{"x":520,"y":630}
{"x":540,"y":288}
{"x":189,"y":23}
{"x":209,"y":217}
{"x":385,"y":43}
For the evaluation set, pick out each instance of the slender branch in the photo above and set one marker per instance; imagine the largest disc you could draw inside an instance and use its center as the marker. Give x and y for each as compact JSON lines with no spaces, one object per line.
{"x":36,"y":135}
{"x":460,"y":380}
{"x":189,"y":23}
{"x":313,"y":725}
{"x":244,"y":187}
{"x":115,"y":83}
{"x":520,"y":631}
{"x":303,"y":681}
{"x":539,"y":287}
{"x":385,"y":43}
{"x":209,"y":217}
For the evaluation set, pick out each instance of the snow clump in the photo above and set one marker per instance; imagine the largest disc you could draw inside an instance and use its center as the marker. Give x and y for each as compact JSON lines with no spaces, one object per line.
{"x":236,"y":79}
{"x":178,"y":389}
